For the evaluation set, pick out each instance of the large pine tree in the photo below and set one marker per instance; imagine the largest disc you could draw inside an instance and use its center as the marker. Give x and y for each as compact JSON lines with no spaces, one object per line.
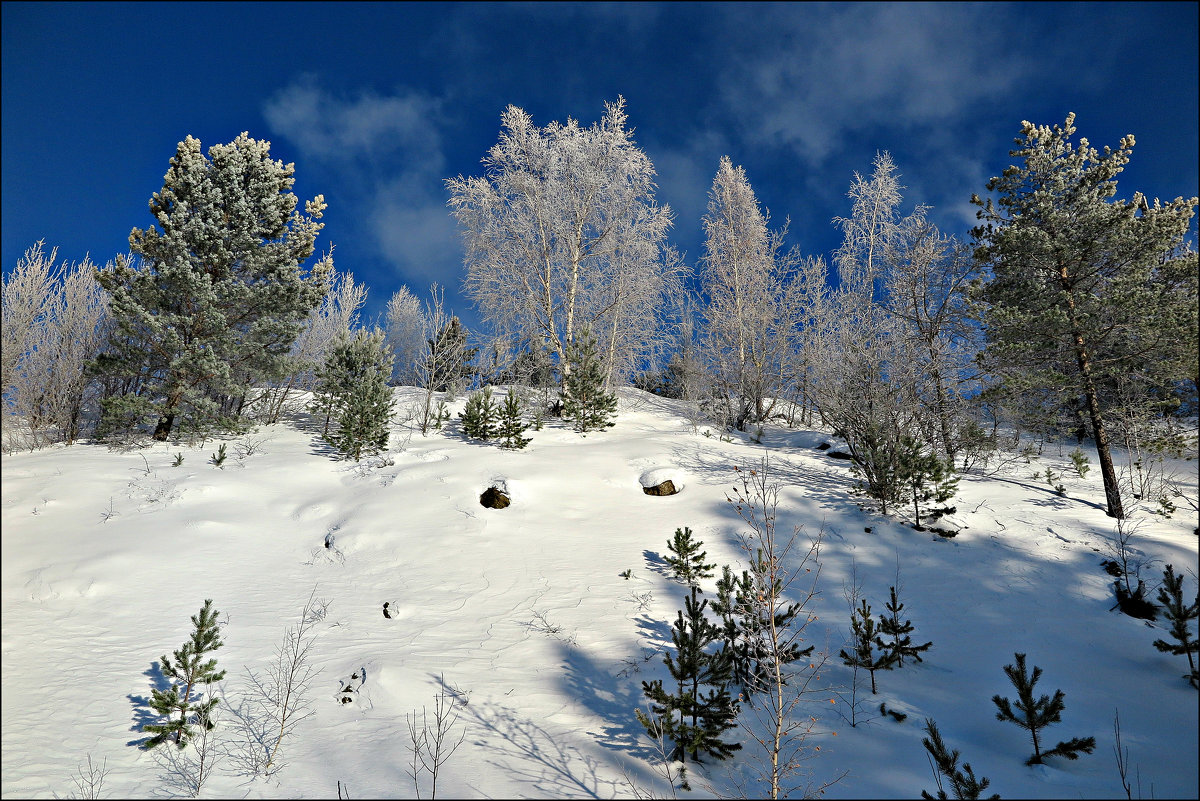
{"x":218,"y":296}
{"x":1084,"y":289}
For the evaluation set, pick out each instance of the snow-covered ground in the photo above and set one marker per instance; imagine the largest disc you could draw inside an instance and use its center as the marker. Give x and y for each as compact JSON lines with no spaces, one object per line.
{"x":524,"y":614}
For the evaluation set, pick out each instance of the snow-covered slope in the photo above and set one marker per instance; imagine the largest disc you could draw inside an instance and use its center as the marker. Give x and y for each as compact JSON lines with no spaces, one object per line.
{"x":524,"y":615}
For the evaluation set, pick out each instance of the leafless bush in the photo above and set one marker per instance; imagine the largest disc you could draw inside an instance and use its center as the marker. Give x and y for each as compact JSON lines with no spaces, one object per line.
{"x":433,"y":742}
{"x":185,"y":771}
{"x":279,"y":700}
{"x":786,"y":680}
{"x":90,"y":783}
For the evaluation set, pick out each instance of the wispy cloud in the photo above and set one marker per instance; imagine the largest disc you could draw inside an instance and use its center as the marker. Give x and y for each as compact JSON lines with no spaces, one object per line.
{"x":386,"y":151}
{"x":830,"y":72}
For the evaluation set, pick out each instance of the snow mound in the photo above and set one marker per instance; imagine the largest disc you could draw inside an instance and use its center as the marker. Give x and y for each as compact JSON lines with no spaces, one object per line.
{"x":657,"y":475}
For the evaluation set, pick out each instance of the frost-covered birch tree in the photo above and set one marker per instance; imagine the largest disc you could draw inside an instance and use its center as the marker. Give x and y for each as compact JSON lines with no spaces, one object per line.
{"x":55,"y":317}
{"x":928,"y":278}
{"x":404,"y":326}
{"x":896,"y":343}
{"x":751,"y":333}
{"x":563,"y":232}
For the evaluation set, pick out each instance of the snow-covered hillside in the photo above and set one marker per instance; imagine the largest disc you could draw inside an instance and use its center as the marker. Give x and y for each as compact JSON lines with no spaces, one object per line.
{"x":524,"y":615}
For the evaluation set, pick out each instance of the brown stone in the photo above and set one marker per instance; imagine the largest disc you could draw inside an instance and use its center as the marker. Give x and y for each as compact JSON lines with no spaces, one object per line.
{"x":493,"y":498}
{"x":665,"y":488}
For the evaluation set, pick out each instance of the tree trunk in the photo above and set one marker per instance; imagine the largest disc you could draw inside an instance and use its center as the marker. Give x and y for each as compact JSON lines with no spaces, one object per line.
{"x":163,"y":430}
{"x":1112,"y":490}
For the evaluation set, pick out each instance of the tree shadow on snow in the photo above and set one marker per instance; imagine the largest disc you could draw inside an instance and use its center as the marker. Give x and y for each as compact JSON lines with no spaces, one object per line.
{"x":142,"y":712}
{"x":535,"y":755}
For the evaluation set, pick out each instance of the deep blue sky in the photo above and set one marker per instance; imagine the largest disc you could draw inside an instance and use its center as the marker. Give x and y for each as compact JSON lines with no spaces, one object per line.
{"x":377,"y":103}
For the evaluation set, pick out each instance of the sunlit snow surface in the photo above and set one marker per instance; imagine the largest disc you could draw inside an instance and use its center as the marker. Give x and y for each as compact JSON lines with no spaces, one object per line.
{"x":523,"y":612}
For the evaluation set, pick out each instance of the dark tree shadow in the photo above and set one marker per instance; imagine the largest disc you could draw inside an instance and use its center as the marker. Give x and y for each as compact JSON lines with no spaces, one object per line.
{"x":532,"y":754}
{"x":142,"y":711}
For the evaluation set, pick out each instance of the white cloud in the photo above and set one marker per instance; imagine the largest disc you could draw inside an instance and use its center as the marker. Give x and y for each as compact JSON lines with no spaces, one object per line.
{"x":848,"y":68}
{"x":387,"y":151}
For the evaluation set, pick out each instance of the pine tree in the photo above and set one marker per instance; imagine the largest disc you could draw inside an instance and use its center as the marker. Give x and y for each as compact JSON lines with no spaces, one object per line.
{"x":694,"y":720}
{"x":1035,"y":715}
{"x":688,"y":562}
{"x":218,"y":297}
{"x":187,"y":671}
{"x":1070,"y":265}
{"x":962,"y":782}
{"x":356,"y":375}
{"x":863,"y":636}
{"x":924,"y":475}
{"x":745,"y":626}
{"x":479,"y":415}
{"x":585,"y":402}
{"x":1170,"y":595}
{"x":900,"y":644}
{"x":512,"y":427}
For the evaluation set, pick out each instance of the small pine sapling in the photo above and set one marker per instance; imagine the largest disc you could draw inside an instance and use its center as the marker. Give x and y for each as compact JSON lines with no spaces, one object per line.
{"x":178,"y":460}
{"x":693,"y":720}
{"x":1080,"y":461}
{"x":1179,"y":614}
{"x":1034,"y":715}
{"x":863,"y":635}
{"x":187,"y":671}
{"x":585,"y":402}
{"x":963,"y":783}
{"x":746,"y":625}
{"x":479,"y":415}
{"x":356,"y":372}
{"x":512,"y":427}
{"x":1052,"y":479}
{"x":925,"y":476}
{"x":688,"y":561}
{"x":218,"y":458}
{"x":441,"y":415}
{"x":899,"y":644}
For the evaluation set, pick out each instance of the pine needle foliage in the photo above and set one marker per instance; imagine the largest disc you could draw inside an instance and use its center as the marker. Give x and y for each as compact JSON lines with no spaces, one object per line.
{"x":217,"y":296}
{"x":585,"y":402}
{"x":1179,"y":615}
{"x":963,"y":783}
{"x":745,"y":627}
{"x":700,"y":710}
{"x":688,"y":561}
{"x":926,"y":476}
{"x":511,"y":427}
{"x":355,"y":375}
{"x":479,"y":416}
{"x":863,"y":636}
{"x":187,"y":670}
{"x":1070,"y":263}
{"x":1035,"y":715}
{"x":898,"y":644}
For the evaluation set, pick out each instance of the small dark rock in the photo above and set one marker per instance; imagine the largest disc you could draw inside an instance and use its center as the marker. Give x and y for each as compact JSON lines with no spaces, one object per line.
{"x":665,"y":488}
{"x":867,"y":529}
{"x":944,"y":533}
{"x":386,"y":614}
{"x":824,"y":446}
{"x":346,"y":699}
{"x":840,"y":455}
{"x":493,"y":498}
